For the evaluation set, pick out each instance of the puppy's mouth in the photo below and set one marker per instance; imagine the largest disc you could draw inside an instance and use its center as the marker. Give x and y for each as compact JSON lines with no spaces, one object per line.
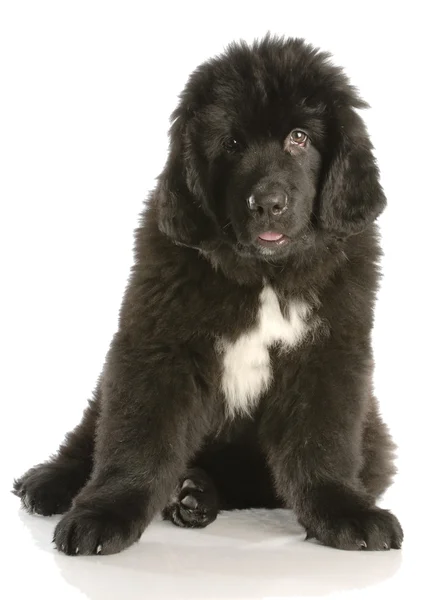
{"x":272,"y":239}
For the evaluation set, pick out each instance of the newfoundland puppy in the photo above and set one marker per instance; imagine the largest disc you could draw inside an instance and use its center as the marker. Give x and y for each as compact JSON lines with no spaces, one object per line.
{"x":241,"y":372}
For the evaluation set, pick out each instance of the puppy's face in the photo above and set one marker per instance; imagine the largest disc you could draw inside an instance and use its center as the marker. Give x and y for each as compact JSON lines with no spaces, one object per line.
{"x":263,"y":153}
{"x":268,"y":154}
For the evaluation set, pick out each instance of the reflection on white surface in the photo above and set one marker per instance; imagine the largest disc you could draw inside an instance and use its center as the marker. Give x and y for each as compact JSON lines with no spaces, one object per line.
{"x":245,"y":554}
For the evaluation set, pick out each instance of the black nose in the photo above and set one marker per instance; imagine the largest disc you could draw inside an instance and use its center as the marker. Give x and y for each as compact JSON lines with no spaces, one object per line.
{"x":271,"y":204}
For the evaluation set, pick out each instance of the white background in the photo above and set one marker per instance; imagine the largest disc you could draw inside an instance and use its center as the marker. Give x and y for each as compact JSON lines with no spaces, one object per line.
{"x":86,"y":92}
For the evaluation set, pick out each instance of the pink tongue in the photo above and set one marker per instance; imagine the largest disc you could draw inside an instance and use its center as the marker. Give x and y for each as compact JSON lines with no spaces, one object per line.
{"x":270,"y":236}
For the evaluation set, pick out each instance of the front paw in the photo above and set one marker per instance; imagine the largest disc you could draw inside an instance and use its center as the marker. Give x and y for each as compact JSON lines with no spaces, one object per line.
{"x":49,"y":488}
{"x":369,"y":529}
{"x":87,"y":531}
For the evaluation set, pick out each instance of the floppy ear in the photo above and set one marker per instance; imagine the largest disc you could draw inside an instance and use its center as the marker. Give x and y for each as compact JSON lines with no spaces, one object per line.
{"x":181,"y":211}
{"x":351,"y":196}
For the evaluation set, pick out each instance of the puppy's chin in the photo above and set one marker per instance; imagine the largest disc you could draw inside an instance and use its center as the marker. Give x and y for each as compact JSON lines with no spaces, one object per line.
{"x":263,"y":251}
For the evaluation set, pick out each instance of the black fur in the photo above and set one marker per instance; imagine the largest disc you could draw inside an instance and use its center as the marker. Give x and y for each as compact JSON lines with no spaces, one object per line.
{"x":314,"y":441}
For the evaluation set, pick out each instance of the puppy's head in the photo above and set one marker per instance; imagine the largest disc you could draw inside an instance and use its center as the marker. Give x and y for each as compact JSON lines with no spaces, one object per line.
{"x":267,"y":152}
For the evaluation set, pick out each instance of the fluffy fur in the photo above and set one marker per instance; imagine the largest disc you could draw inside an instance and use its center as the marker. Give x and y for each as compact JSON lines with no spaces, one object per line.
{"x":241,"y":372}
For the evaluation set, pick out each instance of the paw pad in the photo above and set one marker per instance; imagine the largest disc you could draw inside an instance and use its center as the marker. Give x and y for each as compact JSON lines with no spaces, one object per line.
{"x":189,"y":502}
{"x":194,"y":503}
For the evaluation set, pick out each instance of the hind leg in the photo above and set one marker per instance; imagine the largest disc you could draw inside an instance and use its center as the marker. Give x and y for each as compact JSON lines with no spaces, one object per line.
{"x":378,"y":454}
{"x":195,"y":501}
{"x":50,"y":487}
{"x":223,"y":476}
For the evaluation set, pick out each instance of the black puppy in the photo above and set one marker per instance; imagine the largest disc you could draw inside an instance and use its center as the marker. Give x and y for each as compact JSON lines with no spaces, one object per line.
{"x":241,"y":373}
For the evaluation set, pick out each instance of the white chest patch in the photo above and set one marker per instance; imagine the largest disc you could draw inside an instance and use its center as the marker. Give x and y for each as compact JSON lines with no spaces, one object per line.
{"x":247,"y":370}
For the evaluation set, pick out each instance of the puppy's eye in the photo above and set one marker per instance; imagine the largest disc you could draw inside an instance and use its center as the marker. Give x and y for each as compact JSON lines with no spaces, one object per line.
{"x":231,"y":145}
{"x":298,"y":137}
